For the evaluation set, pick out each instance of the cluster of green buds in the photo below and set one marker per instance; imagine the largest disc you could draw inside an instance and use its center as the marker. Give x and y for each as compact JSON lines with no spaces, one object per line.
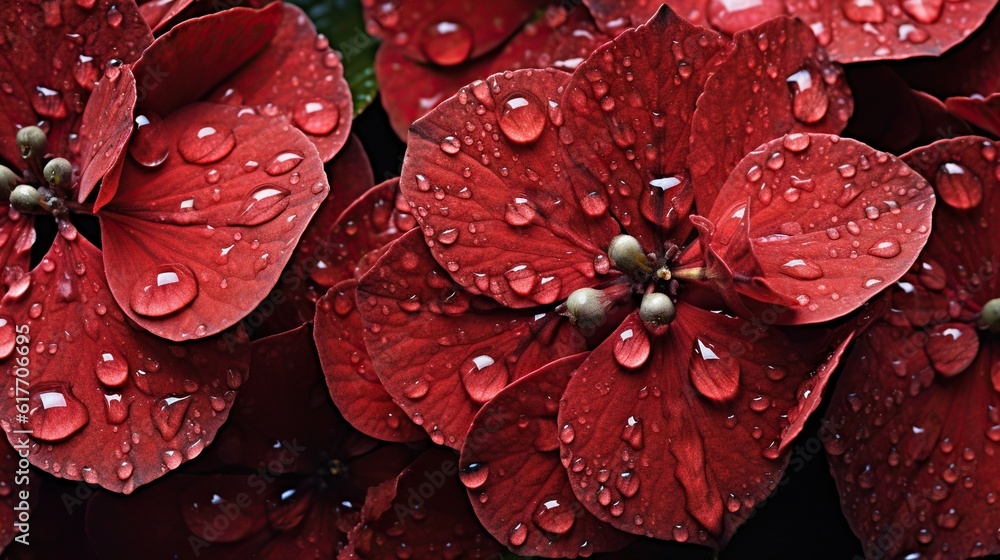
{"x":57,"y":173}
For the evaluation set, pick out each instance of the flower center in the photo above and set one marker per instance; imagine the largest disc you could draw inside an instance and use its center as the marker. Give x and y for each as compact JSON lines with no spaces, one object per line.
{"x":44,"y":184}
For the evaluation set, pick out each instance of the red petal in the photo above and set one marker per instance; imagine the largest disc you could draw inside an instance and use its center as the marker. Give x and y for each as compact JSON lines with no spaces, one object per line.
{"x":777,"y":80}
{"x":615,"y":15}
{"x":984,"y":113}
{"x":424,"y":513}
{"x":299,"y":76}
{"x":831,"y":223}
{"x":631,"y":128}
{"x":286,"y":376}
{"x":409,"y":90}
{"x":912,"y":450}
{"x":680,"y":464}
{"x":350,"y":375}
{"x":91,"y":419}
{"x":105,"y":129}
{"x":160,"y":13}
{"x":446,"y":33}
{"x":410,"y":308}
{"x":497,"y":211}
{"x":519,"y":489}
{"x":193,"y":247}
{"x":63,"y":48}
{"x":17,"y":231}
{"x":854,"y":31}
{"x":191,"y":60}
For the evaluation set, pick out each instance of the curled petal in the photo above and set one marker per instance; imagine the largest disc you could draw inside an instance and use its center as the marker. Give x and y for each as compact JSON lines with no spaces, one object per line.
{"x":683,"y":444}
{"x":510,"y":465}
{"x":194,"y":244}
{"x":109,"y":404}
{"x":497,"y":212}
{"x":438,"y":374}
{"x":350,"y":374}
{"x":982,"y":112}
{"x":830,"y":223}
{"x":616,"y":15}
{"x":777,"y":80}
{"x":105,"y":129}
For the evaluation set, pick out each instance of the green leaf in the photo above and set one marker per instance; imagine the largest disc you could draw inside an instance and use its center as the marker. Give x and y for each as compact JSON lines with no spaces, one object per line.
{"x":343,"y":24}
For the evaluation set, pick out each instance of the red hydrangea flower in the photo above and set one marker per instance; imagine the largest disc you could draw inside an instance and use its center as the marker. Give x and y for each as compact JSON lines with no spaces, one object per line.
{"x":431,"y":49}
{"x":851,"y":30}
{"x":556,"y":212}
{"x":916,"y":413}
{"x":200,"y":205}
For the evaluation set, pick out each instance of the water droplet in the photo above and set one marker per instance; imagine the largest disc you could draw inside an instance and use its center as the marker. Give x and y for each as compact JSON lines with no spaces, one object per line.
{"x":567,"y":433}
{"x":447,"y":43}
{"x":714,"y":372}
{"x":627,"y":483}
{"x":164,"y":290}
{"x":168,"y":414}
{"x":54,"y":413}
{"x":522,"y":119}
{"x":554,"y":516}
{"x":632,"y":433}
{"x":8,"y":337}
{"x":518,"y":534}
{"x":111,"y":369}
{"x":924,"y":11}
{"x":483,"y":378}
{"x":283,"y":163}
{"x":796,"y":142}
{"x":316,"y":117}
{"x":958,"y":187}
{"x":148,"y":144}
{"x":48,"y":103}
{"x":632,"y":348}
{"x":415,"y":390}
{"x":809,"y":100}
{"x":114,"y":16}
{"x":260,"y":205}
{"x":474,"y":475}
{"x":205,"y":144}
{"x":729,"y":16}
{"x":451,"y":145}
{"x":863,"y":11}
{"x":802,"y":269}
{"x":886,"y":249}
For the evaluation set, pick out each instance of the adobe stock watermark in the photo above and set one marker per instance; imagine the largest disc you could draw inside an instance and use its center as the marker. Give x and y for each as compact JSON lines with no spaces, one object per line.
{"x":22,"y":445}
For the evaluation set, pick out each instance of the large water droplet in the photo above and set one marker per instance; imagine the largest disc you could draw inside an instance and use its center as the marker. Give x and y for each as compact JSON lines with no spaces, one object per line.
{"x":483,"y":378}
{"x":205,"y":144}
{"x":522,"y":119}
{"x":802,"y":269}
{"x":632,"y":433}
{"x":115,"y":409}
{"x":164,"y":290}
{"x":554,"y":515}
{"x":54,"y":413}
{"x":958,"y":187}
{"x":283,"y":163}
{"x":316,"y":117}
{"x":715,"y":373}
{"x":148,"y":144}
{"x":518,"y":534}
{"x":8,"y":337}
{"x":111,"y":369}
{"x":168,"y":414}
{"x":632,"y":348}
{"x":474,"y":475}
{"x":809,"y":101}
{"x":447,"y":43}
{"x":886,"y":249}
{"x":863,"y":11}
{"x":260,"y":205}
{"x":924,"y":11}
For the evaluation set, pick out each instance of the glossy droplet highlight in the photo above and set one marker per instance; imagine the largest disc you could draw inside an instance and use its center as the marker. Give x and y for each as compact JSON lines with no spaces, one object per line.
{"x":111,"y":369}
{"x":148,"y":145}
{"x":261,"y":205}
{"x":632,"y":348}
{"x":204,"y":144}
{"x":316,"y":117}
{"x":447,"y":43}
{"x":54,"y":413}
{"x":483,"y":378}
{"x":474,"y":475}
{"x":958,"y":187}
{"x":283,"y":163}
{"x":164,"y":290}
{"x":522,"y":119}
{"x":802,"y":269}
{"x":168,"y":414}
{"x":715,"y":373}
{"x":809,"y":100}
{"x":554,"y":515}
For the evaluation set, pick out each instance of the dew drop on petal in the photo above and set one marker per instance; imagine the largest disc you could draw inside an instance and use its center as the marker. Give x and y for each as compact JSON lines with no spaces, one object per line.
{"x":317,"y":117}
{"x":631,"y":349}
{"x":809,"y":100}
{"x":474,"y":475}
{"x":148,"y":145}
{"x":54,"y":413}
{"x":261,"y":205}
{"x":205,"y":144}
{"x":447,"y":43}
{"x":714,"y":372}
{"x":522,"y":119}
{"x":164,"y":290}
{"x":111,"y":368}
{"x":958,"y":187}
{"x":554,"y":515}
